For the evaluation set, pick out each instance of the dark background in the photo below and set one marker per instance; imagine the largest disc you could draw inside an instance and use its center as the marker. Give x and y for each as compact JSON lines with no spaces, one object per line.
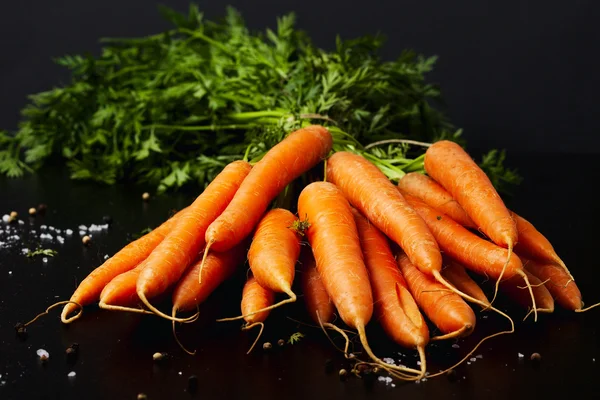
{"x":520,"y":75}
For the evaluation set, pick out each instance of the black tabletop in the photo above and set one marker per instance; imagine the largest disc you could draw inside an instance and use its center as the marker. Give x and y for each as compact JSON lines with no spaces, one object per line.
{"x":115,"y":349}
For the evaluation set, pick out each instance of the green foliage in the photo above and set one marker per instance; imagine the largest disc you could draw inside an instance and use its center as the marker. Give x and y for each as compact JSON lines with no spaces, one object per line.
{"x":173,"y":108}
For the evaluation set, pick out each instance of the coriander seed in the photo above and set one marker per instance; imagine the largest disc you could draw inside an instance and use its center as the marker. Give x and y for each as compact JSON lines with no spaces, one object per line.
{"x":146,"y":196}
{"x":86,"y":240}
{"x":267,"y":346}
{"x":32,"y":211}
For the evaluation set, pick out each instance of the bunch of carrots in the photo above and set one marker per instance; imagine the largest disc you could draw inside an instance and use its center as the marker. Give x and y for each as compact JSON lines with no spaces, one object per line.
{"x":363,"y":246}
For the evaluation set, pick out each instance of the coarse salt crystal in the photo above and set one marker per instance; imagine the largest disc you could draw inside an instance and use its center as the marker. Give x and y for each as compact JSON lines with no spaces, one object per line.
{"x":60,"y":239}
{"x":455,"y":346}
{"x":15,"y":237}
{"x":468,"y":363}
{"x":10,"y":272}
{"x":51,"y":228}
{"x":393,"y":385}
{"x":43,"y":227}
{"x":57,"y":231}
{"x":71,"y":374}
{"x":389,"y":360}
{"x":418,"y":362}
{"x":69,"y":232}
{"x":82,"y":228}
{"x":45,"y":260}
{"x":479,"y":356}
{"x":473,"y":359}
{"x":6,"y":218}
{"x":521,"y":355}
{"x":21,"y":222}
{"x":106,"y":256}
{"x":81,"y":233}
{"x":180,"y":373}
{"x":42,"y":353}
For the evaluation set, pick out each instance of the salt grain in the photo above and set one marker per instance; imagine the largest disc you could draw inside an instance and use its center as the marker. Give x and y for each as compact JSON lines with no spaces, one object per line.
{"x":473,"y":359}
{"x":69,"y":232}
{"x":479,"y":356}
{"x":521,"y":355}
{"x":389,"y":360}
{"x":455,"y":346}
{"x":106,"y":256}
{"x":180,"y":373}
{"x":71,"y":374}
{"x":81,"y":233}
{"x":468,"y":363}
{"x":43,"y":227}
{"x":45,"y":260}
{"x":21,"y":222}
{"x":42,"y":353}
{"x":6,"y":218}
{"x":82,"y":228}
{"x":51,"y":228}
{"x":10,"y":272}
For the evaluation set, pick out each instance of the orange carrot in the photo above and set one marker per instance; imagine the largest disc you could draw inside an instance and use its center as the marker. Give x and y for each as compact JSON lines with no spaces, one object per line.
{"x":457,"y":276}
{"x":447,"y":310}
{"x":294,"y":155}
{"x":120,"y":295}
{"x":462,"y":245}
{"x":451,"y":166}
{"x":189,"y":293}
{"x":371,"y":192}
{"x":124,"y":260}
{"x":256,"y":298}
{"x":433,"y":194}
{"x":535,"y":245}
{"x":165,"y":265}
{"x":513,"y":288}
{"x":334,"y":239}
{"x":318,"y":304}
{"x":398,"y":313}
{"x":559,"y":283}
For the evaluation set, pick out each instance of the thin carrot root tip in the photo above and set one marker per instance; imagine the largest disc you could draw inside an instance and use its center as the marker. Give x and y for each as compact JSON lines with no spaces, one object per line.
{"x":510,"y":250}
{"x":537,"y":285}
{"x":533,"y":305}
{"x":403,"y":373}
{"x":206,"y":249}
{"x":465,"y":330}
{"x":64,"y":317}
{"x":156,"y":311}
{"x":60,"y":303}
{"x":587,"y":308}
{"x":174,"y":314}
{"x":341,"y":332}
{"x":111,"y":307}
{"x":248,"y":327}
{"x":292,"y":299}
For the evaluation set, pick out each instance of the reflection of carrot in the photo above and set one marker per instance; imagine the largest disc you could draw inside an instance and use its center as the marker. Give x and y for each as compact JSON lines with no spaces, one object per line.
{"x":124,"y":260}
{"x":333,"y":237}
{"x":451,"y":166}
{"x":433,"y":194}
{"x":559,"y":283}
{"x":287,"y":160}
{"x":256,"y":298}
{"x":457,"y":276}
{"x":167,"y":263}
{"x":398,"y":313}
{"x":447,"y":310}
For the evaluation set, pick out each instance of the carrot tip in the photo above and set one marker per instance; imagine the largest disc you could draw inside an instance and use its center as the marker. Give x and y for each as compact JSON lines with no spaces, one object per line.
{"x":60,"y":303}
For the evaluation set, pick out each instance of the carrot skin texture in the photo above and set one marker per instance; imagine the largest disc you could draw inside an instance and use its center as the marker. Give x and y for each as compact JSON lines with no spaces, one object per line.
{"x":470,"y":250}
{"x":338,"y":255}
{"x":532,"y":243}
{"x":120,"y":291}
{"x":397,"y":312}
{"x":459,"y":278}
{"x":318,"y":303}
{"x":256,"y":297}
{"x":543,"y":298}
{"x":447,"y":310}
{"x":450,"y":165}
{"x":294,"y":155}
{"x":218,"y":267}
{"x":170,"y":259}
{"x":371,"y":192}
{"x":433,"y":194}
{"x":124,"y":260}
{"x":563,"y":289}
{"x":274,"y":251}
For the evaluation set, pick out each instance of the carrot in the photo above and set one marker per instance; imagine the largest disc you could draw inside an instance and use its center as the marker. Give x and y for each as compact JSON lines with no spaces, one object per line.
{"x":294,"y":155}
{"x":447,"y":310}
{"x":370,"y":191}
{"x":254,"y":299}
{"x":559,"y":283}
{"x":273,"y":254}
{"x":451,"y":166}
{"x":543,"y":299}
{"x":398,"y":313}
{"x":433,"y":194}
{"x":334,"y":239}
{"x":535,"y":245}
{"x":124,"y":260}
{"x":472,"y":251}
{"x":120,"y":295}
{"x":165,"y":265}
{"x":318,"y":304}
{"x":457,"y":276}
{"x":189,"y":293}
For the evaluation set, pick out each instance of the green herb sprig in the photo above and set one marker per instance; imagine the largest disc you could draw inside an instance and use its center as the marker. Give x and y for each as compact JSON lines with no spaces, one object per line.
{"x":174,"y":108}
